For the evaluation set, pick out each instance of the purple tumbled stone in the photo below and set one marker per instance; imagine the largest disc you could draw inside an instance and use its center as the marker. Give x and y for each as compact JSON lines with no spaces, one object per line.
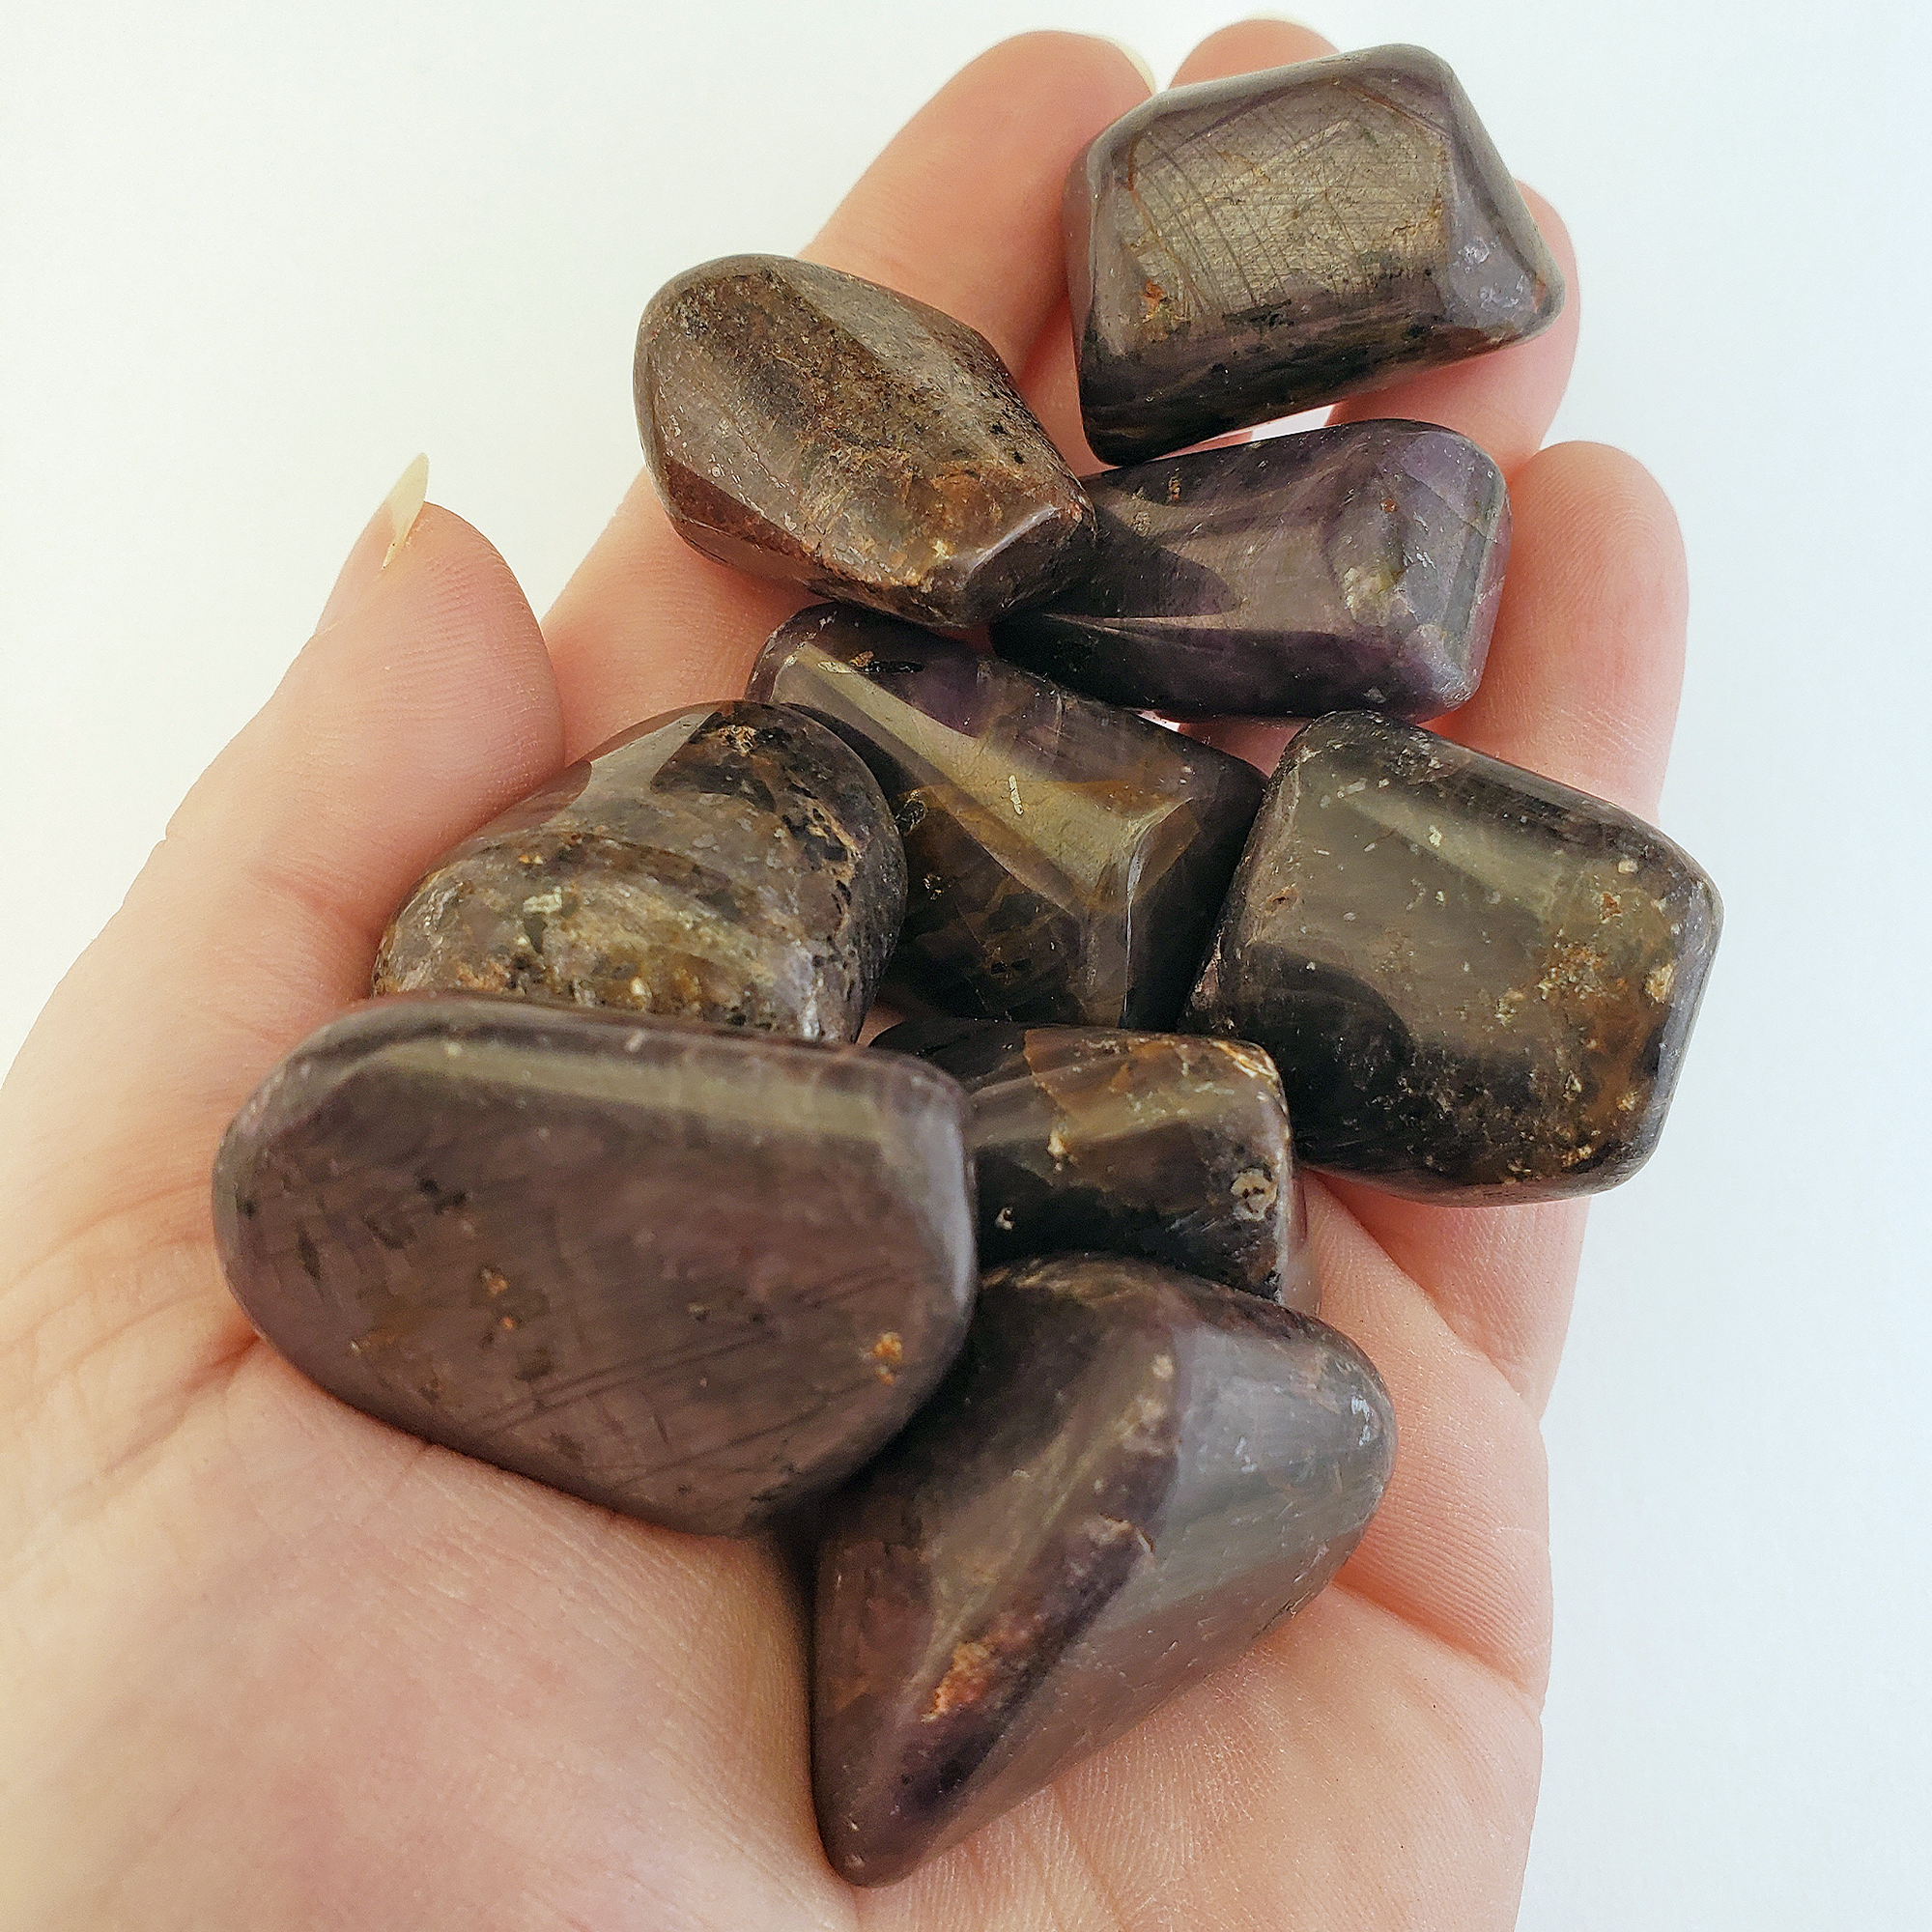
{"x":1157,"y":1145}
{"x":1065,"y":859}
{"x":1130,"y":1476}
{"x":691,"y":1273}
{"x":1357,"y":566}
{"x":1246,"y":248}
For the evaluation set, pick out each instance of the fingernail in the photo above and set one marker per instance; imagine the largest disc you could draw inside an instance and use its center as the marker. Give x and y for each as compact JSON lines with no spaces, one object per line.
{"x":383,"y":536}
{"x":1142,"y":64}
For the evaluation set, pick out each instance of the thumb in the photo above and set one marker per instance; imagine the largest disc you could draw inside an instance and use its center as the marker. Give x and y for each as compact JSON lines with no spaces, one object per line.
{"x":422,"y":705}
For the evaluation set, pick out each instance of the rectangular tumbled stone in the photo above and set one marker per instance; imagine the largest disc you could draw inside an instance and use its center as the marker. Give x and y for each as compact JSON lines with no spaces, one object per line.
{"x":1477,"y":982}
{"x":1248,"y":247}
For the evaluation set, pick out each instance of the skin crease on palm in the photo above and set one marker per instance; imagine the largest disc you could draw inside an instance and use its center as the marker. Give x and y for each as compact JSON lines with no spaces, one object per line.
{"x":266,"y":1664}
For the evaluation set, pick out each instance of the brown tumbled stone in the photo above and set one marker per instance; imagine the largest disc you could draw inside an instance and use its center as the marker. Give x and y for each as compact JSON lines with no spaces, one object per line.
{"x":692,"y":1274}
{"x":804,"y":425}
{"x":1478,"y":983}
{"x":1128,"y":1477}
{"x":733,"y":863}
{"x":1171,"y":1148}
{"x":1247,"y":248}
{"x":1064,"y":858}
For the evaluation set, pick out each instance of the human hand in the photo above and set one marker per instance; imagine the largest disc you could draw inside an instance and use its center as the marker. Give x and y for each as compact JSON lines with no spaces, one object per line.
{"x":271,"y":1663}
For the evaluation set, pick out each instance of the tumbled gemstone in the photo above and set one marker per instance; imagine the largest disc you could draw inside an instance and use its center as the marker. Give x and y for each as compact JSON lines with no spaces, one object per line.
{"x":1064,"y":858}
{"x":1130,"y":1476}
{"x":1476,"y":982}
{"x":1150,"y":1144}
{"x":806,"y":425}
{"x":1358,"y":565}
{"x":733,"y":863}
{"x":688,"y":1273}
{"x":1245,"y":248}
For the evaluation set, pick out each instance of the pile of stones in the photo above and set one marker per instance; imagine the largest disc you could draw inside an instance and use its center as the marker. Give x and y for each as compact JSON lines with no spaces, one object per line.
{"x":1009,"y":1313}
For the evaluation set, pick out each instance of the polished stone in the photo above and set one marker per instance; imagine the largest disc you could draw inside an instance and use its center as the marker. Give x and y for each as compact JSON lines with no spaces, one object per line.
{"x":1157,"y":1145}
{"x":1244,"y":248}
{"x":688,"y":1273}
{"x":1064,"y":858}
{"x":732,"y":863}
{"x":804,"y":425}
{"x":1354,"y":566}
{"x":1478,"y":983}
{"x":1129,"y":1477}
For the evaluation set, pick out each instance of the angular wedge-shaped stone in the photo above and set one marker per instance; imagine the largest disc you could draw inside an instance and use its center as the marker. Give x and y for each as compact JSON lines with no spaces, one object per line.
{"x":732,"y":863}
{"x":1245,"y":248}
{"x":804,"y":425}
{"x":688,"y":1273}
{"x":1477,"y":982}
{"x":1151,"y":1143}
{"x":1064,"y":858}
{"x":1354,"y":566}
{"x":1130,"y":1476}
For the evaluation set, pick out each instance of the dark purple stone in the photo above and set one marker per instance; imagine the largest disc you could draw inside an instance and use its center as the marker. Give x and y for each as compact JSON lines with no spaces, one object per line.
{"x":1146,"y":1144}
{"x":805,"y":424}
{"x":731,"y":863}
{"x":688,"y":1273}
{"x":1064,"y":858}
{"x":1130,"y":1476}
{"x":1245,"y":248}
{"x":1477,"y":983}
{"x":1354,"y":566}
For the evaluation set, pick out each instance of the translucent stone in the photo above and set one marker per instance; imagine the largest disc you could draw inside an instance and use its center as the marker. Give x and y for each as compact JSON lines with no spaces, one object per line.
{"x":804,"y":425}
{"x":733,"y":863}
{"x":1064,"y":858}
{"x":1150,"y":1144}
{"x":1477,"y":982}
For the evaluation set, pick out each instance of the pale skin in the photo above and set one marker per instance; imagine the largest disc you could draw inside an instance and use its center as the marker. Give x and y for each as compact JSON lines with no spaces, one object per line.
{"x":266,"y":1664}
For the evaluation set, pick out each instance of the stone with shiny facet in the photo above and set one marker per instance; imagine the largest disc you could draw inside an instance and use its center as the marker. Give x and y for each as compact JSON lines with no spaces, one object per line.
{"x":1172,"y":1148}
{"x":1064,"y":858}
{"x":688,"y":1273}
{"x":732,"y":863}
{"x":1358,"y":565}
{"x":1244,"y":248}
{"x":1477,"y":983}
{"x":1128,"y":1478}
{"x":806,"y":425}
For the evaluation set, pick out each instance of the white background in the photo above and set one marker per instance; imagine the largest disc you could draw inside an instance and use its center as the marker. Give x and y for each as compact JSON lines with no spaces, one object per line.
{"x":252,"y":259}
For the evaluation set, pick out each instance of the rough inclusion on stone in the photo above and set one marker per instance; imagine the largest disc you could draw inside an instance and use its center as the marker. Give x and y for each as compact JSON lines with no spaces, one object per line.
{"x":688,"y":1273}
{"x":1245,"y":248}
{"x":732,"y":863}
{"x":1156,"y":1145}
{"x":1358,"y":565}
{"x":1129,"y":1477}
{"x":1477,"y":983}
{"x":1064,"y":858}
{"x":806,"y":425}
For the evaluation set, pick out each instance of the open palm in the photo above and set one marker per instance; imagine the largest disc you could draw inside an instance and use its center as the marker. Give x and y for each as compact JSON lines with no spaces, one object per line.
{"x":268,"y":1663}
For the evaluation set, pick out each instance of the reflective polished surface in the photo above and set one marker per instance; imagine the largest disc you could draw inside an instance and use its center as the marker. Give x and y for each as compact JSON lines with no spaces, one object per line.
{"x":1064,"y":858}
{"x":1476,"y":982}
{"x":638,"y":1260}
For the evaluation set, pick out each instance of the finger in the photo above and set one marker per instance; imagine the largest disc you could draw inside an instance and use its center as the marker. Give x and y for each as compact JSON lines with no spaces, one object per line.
{"x":1581,"y":686}
{"x":1587,"y":658}
{"x":1050,"y":382}
{"x":962,"y":211}
{"x":406,"y":722}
